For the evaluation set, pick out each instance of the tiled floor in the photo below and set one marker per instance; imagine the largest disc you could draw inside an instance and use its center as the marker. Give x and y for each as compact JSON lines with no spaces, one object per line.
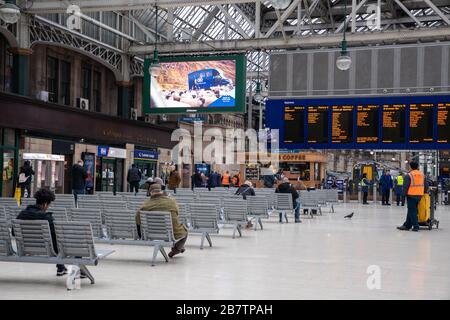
{"x":323,"y":258}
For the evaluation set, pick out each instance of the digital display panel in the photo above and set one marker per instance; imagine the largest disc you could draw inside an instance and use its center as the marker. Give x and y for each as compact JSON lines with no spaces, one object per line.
{"x":367,"y":124}
{"x":421,"y":122}
{"x":409,"y":122}
{"x":443,"y":123}
{"x":318,"y":124}
{"x":394,"y":123}
{"x":195,"y":84}
{"x":342,"y":124}
{"x":294,"y":124}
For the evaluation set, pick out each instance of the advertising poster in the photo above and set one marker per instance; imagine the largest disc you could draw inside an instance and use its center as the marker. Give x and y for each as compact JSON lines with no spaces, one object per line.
{"x":89,"y":166}
{"x":196,"y":84}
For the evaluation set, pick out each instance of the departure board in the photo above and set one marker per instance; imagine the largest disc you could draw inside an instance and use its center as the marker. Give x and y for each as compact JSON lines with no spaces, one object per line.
{"x":367,"y":124}
{"x":294,"y":124}
{"x":421,"y":122}
{"x":443,"y":123}
{"x":318,"y":124}
{"x":342,"y":124}
{"x":394,"y":123}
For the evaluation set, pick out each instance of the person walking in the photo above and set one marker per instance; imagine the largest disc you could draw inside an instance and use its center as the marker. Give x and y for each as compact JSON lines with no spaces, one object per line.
{"x":79,"y":176}
{"x":386,"y":185}
{"x":414,"y":187}
{"x":26,"y":174}
{"x":398,"y":188}
{"x":134,"y":178}
{"x":174,"y":180}
{"x":365,"y":183}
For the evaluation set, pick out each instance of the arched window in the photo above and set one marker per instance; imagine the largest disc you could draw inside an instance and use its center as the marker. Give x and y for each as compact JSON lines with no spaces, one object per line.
{"x":6,"y":66}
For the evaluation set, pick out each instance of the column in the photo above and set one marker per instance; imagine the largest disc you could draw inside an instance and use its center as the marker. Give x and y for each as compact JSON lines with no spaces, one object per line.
{"x":21,"y":69}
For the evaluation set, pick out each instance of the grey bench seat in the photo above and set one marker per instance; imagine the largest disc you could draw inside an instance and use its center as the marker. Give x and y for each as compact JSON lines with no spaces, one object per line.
{"x":34,"y":245}
{"x":156,"y":231}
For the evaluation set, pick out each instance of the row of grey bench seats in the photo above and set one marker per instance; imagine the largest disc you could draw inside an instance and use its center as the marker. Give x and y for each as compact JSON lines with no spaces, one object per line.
{"x":120,"y":228}
{"x":75,"y":240}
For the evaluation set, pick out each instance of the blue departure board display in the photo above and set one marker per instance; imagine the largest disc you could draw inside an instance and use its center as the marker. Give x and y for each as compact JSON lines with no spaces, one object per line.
{"x":391,"y":122}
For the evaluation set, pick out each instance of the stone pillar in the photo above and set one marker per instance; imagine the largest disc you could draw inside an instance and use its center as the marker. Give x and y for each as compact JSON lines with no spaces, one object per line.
{"x":21,"y":69}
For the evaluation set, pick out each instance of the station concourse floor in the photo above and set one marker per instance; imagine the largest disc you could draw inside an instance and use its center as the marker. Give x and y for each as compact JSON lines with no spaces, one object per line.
{"x":322,"y":258}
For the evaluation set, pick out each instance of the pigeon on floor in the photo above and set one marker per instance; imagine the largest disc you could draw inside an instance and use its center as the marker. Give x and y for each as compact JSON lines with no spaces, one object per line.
{"x":350,"y":215}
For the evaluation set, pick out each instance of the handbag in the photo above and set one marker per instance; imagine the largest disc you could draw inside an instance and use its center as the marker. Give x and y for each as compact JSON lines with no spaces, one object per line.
{"x":22,"y":178}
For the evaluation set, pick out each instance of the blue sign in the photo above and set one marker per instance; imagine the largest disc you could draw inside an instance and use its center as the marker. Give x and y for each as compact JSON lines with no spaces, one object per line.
{"x":145,"y":155}
{"x":189,"y":119}
{"x":103,"y":151}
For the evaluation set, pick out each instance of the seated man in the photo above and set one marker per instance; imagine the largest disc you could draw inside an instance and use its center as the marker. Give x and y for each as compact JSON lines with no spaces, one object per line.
{"x":44,"y":198}
{"x":159,"y":201}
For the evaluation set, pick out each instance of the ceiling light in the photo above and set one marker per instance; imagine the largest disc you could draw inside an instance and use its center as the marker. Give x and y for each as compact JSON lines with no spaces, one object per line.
{"x":280,"y":4}
{"x":9,"y":12}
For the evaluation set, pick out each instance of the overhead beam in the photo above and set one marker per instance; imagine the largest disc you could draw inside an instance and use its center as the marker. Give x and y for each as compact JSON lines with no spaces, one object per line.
{"x":317,"y":41}
{"x":233,"y":22}
{"x":401,"y":5}
{"x":354,"y":11}
{"x":53,"y":6}
{"x":205,"y":23}
{"x":438,"y":12}
{"x":284,"y":16}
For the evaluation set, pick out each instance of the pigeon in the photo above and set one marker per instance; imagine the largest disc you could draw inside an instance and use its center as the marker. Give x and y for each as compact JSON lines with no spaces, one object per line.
{"x":350,"y":215}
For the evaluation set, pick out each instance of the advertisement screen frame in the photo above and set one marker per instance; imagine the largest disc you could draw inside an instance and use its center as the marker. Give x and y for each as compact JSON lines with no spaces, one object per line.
{"x":241,"y":83}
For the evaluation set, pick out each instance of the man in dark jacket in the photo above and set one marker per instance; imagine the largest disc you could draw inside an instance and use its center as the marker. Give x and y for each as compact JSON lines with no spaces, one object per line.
{"x":386,"y":184}
{"x":79,"y":176}
{"x":269,"y":181}
{"x":134,"y":177}
{"x":39,"y":212}
{"x":286,"y":187}
{"x":245,"y":190}
{"x":27,"y":172}
{"x":197,"y":180}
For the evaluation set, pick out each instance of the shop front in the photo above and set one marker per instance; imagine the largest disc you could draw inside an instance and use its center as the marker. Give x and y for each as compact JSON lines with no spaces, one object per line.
{"x":147,"y":162}
{"x":309,"y":167}
{"x":49,"y":171}
{"x":110,"y":169}
{"x":9,"y":160}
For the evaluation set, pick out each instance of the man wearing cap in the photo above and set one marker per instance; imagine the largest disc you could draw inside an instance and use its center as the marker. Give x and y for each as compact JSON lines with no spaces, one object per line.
{"x":159,"y":201}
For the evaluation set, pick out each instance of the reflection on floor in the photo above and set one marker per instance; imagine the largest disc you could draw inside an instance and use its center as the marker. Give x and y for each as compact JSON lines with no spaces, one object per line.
{"x":322,"y":258}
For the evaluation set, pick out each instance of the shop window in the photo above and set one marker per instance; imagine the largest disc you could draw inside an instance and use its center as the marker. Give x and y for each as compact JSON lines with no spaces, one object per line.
{"x":6,"y":65}
{"x":65,"y":83}
{"x":52,"y":79}
{"x":86,"y":82}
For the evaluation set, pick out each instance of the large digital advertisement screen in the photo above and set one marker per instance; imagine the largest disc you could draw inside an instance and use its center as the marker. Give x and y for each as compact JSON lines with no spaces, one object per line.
{"x":213,"y":84}
{"x":391,"y":122}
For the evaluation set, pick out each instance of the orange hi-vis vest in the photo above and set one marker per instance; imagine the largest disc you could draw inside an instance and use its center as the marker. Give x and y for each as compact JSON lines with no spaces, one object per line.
{"x":226,"y":179}
{"x":417,"y":185}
